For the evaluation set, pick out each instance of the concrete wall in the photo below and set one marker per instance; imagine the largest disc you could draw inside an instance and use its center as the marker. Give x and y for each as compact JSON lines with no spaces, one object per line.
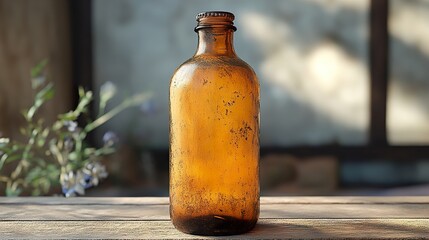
{"x":408,"y":105}
{"x":310,"y":56}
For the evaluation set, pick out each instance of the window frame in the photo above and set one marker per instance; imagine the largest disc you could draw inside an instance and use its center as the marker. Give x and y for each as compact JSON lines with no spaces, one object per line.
{"x":377,"y":147}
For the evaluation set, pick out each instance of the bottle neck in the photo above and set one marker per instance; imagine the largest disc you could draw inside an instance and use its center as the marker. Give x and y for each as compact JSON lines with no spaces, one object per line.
{"x":215,"y":41}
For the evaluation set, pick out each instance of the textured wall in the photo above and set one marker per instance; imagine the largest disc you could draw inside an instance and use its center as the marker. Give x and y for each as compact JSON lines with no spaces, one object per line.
{"x":310,"y":56}
{"x":408,"y":106}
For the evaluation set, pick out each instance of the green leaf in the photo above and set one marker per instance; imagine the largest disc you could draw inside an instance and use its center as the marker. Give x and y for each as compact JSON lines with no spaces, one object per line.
{"x":46,"y":93}
{"x":83,"y":106}
{"x":69,"y":116}
{"x":41,"y":97}
{"x":73,"y":156}
{"x":33,"y":174}
{"x":53,"y":172}
{"x":81,"y":92}
{"x":36,"y":74}
{"x":12,"y":158}
{"x":38,"y":69}
{"x":41,"y":140}
{"x":57,"y":125}
{"x":107,"y":91}
{"x":89,"y":151}
{"x":3,"y":160}
{"x":84,"y":101}
{"x":10,"y":192}
{"x":53,"y":148}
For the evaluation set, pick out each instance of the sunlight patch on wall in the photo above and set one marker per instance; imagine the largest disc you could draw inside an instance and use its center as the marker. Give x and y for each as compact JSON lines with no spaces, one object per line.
{"x":408,"y":104}
{"x":408,"y":121}
{"x":409,"y":23}
{"x":327,"y":83}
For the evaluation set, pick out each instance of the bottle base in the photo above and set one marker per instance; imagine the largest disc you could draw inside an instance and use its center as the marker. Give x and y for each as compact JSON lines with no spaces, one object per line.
{"x":213,"y":225}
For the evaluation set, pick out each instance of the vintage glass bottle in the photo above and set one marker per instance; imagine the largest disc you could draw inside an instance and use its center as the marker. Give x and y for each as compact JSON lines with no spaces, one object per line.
{"x":214,"y":135}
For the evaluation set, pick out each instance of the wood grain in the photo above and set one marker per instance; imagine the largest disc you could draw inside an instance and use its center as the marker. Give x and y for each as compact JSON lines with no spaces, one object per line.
{"x":31,"y":31}
{"x":281,"y":218}
{"x":265,"y":229}
{"x":52,"y":212}
{"x":264,"y":200}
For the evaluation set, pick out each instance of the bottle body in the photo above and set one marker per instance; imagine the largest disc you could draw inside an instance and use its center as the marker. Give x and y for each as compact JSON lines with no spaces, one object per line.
{"x":214,"y":146}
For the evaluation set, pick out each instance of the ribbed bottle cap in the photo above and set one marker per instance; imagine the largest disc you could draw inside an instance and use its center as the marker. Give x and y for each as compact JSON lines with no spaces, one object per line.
{"x":227,"y":15}
{"x":215,"y":19}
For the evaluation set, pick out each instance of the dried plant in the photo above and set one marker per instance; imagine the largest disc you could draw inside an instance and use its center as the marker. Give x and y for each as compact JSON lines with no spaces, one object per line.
{"x":58,"y":154}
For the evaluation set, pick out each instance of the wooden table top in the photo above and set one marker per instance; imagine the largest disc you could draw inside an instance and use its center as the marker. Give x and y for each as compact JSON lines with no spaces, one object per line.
{"x":281,"y":218}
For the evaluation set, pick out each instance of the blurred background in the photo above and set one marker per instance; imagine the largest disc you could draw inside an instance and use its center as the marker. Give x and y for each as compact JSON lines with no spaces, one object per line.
{"x":344,"y":103}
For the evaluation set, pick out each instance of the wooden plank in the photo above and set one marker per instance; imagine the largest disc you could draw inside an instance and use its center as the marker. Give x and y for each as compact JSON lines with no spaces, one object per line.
{"x":265,"y":229}
{"x":84,"y":200}
{"x":83,"y":212}
{"x":281,"y":217}
{"x":165,"y":201}
{"x":161,"y":212}
{"x":345,"y":200}
{"x":121,"y":209}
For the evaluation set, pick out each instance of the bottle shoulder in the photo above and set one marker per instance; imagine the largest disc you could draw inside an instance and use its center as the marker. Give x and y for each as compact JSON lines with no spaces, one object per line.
{"x":208,"y":63}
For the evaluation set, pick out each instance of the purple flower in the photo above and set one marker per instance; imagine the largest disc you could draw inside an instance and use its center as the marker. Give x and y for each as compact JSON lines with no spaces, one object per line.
{"x":70,"y":125}
{"x":110,"y":138}
{"x":72,"y":184}
{"x":93,"y":173}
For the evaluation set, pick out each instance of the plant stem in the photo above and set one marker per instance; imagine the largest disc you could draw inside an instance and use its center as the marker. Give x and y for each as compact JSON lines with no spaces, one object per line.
{"x":4,"y":179}
{"x":109,"y":115}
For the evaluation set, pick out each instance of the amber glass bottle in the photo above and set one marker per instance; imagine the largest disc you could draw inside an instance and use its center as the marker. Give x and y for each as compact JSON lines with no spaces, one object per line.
{"x":214,"y":135}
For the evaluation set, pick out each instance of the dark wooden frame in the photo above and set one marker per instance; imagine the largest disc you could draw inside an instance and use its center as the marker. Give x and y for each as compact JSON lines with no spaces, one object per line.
{"x":377,"y":148}
{"x":82,"y":50}
{"x":379,"y":70}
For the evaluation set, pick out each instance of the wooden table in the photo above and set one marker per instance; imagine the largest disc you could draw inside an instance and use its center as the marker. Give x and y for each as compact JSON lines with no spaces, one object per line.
{"x":281,"y":217}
